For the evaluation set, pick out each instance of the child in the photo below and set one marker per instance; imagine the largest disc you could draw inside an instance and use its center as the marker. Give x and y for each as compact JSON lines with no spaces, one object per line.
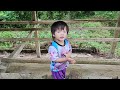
{"x":60,"y":50}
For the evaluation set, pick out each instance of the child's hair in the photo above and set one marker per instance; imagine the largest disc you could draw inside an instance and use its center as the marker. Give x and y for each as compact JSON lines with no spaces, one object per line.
{"x":59,"y":24}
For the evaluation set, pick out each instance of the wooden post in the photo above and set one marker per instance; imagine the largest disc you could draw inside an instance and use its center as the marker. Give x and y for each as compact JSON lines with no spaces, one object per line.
{"x":116,"y":35}
{"x":37,"y":43}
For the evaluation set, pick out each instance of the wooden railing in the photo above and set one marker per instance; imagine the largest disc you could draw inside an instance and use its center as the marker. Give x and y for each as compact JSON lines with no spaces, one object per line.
{"x":51,"y":21}
{"x":36,"y":29}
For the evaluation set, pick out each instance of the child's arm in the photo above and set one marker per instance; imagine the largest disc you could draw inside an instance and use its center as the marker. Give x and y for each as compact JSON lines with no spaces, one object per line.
{"x":72,"y":61}
{"x":62,"y":59}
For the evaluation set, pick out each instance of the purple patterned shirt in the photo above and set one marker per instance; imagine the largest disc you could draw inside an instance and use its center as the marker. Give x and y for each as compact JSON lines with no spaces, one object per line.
{"x":55,"y":54}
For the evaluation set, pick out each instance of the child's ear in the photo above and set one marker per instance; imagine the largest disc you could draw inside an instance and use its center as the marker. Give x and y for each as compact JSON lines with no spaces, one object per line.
{"x":53,"y":35}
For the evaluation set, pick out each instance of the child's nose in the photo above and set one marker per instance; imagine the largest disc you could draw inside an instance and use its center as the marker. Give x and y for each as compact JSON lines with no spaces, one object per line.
{"x":62,"y":32}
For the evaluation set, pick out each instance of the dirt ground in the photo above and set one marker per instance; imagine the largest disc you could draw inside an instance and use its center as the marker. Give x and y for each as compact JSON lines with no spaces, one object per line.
{"x":74,"y":71}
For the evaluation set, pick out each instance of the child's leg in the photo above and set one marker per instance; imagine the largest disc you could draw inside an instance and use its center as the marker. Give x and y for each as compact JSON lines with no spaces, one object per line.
{"x":59,"y":75}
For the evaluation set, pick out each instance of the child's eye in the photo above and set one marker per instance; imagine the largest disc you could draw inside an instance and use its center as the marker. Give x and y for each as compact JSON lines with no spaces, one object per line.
{"x":64,"y":31}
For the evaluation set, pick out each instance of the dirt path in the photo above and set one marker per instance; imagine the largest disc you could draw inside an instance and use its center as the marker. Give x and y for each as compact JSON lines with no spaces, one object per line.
{"x":84,"y":71}
{"x":38,"y":70}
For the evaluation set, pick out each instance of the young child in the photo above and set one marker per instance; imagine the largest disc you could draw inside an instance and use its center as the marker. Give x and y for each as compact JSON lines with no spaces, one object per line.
{"x":60,"y":50}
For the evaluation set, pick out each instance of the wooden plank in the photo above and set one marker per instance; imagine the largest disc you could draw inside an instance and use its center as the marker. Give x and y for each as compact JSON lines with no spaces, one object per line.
{"x":95,"y":39}
{"x":32,"y":50}
{"x":71,"y":39}
{"x":20,"y":29}
{"x":22,"y":39}
{"x":100,"y":20}
{"x":28,"y":60}
{"x":28,"y":22}
{"x":79,"y":60}
{"x":51,"y":21}
{"x":12,"y":49}
{"x":96,"y":28}
{"x":71,"y":28}
{"x":19,"y":48}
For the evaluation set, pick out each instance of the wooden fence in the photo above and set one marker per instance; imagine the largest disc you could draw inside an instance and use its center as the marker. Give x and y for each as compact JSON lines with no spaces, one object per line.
{"x":36,"y":29}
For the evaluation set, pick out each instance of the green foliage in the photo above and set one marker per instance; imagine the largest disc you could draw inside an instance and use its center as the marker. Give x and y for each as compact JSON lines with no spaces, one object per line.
{"x":22,"y":34}
{"x":57,"y":15}
{"x":117,"y":50}
{"x":5,"y":45}
{"x":107,"y":14}
{"x":73,"y":34}
{"x":6,"y":34}
{"x":94,"y":33}
{"x":23,"y":15}
{"x":45,"y":34}
{"x":91,"y":24}
{"x":102,"y":46}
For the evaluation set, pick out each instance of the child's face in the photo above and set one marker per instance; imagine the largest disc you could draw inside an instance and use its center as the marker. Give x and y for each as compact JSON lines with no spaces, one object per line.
{"x":60,"y":34}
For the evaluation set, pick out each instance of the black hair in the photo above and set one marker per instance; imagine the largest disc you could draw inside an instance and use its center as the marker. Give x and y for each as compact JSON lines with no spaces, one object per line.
{"x":59,"y":24}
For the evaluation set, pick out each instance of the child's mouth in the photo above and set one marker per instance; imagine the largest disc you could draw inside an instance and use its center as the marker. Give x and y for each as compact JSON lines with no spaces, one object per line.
{"x":61,"y":37}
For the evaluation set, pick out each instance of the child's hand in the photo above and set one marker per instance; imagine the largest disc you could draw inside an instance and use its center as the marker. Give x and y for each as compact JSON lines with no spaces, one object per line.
{"x":68,"y":55}
{"x":72,"y":61}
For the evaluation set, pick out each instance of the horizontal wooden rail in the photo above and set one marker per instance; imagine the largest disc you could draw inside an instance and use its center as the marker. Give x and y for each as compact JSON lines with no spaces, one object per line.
{"x":98,"y":20}
{"x":71,"y":39}
{"x":96,"y":28}
{"x":51,"y":21}
{"x":96,"y":39}
{"x":20,"y":29}
{"x":72,"y":28}
{"x":79,"y":60}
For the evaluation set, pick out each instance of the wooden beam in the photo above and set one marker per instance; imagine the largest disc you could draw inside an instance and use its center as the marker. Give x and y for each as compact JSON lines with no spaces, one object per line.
{"x":37,"y":44}
{"x":71,"y":28}
{"x":94,"y":39}
{"x":95,"y":28}
{"x":79,"y":60}
{"x":71,"y":39}
{"x":51,"y":21}
{"x":20,"y":29}
{"x":99,"y":20}
{"x":18,"y":49}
